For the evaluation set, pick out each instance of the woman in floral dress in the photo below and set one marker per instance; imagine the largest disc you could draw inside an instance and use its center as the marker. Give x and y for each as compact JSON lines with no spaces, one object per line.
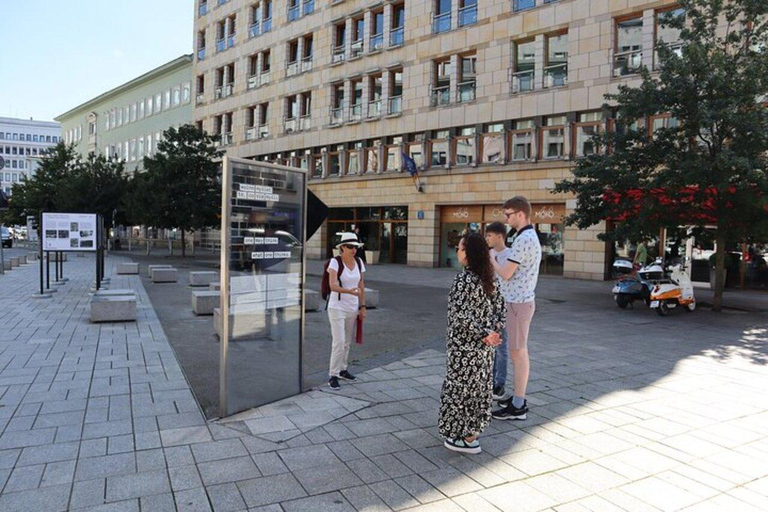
{"x":476,"y":316}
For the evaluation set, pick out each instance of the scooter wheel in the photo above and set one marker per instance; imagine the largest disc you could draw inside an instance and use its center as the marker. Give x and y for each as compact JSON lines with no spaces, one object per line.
{"x":622,"y":302}
{"x":691,"y":307}
{"x":663,"y":309}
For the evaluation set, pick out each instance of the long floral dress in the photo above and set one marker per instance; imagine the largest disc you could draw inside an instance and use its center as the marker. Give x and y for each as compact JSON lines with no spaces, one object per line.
{"x":465,"y":403}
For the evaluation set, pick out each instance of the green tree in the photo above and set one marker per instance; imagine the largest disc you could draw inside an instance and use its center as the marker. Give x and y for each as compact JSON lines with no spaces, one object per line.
{"x":184,"y":177}
{"x":708,"y":167}
{"x":97,"y":185}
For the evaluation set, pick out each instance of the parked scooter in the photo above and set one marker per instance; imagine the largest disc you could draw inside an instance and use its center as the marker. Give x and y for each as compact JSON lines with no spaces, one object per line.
{"x":630,"y":284}
{"x":675,"y":291}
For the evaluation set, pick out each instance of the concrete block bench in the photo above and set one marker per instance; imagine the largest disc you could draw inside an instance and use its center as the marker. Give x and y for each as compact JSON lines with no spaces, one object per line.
{"x":150,"y":268}
{"x":119,"y":308}
{"x":15,"y":262}
{"x":244,"y":319}
{"x":165,"y":275}
{"x":32,"y":256}
{"x":114,"y":293}
{"x":312,"y":300}
{"x":215,"y":287}
{"x":54,"y":256}
{"x":203,"y":278}
{"x":371,"y":298}
{"x":23,"y":259}
{"x":7,"y":264}
{"x":127,"y":268}
{"x":205,"y":301}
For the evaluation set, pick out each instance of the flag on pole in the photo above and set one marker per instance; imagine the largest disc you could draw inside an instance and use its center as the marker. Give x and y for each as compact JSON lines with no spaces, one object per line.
{"x":410,"y":165}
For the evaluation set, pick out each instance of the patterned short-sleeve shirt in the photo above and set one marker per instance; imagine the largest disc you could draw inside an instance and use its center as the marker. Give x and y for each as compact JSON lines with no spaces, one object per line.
{"x":526,"y":252}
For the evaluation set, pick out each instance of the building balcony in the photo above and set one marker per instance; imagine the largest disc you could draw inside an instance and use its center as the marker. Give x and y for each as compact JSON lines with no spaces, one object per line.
{"x":468,"y":15}
{"x":397,"y":36}
{"x":253,"y":82}
{"x":255,"y":30}
{"x":374,"y":109}
{"x":357,"y":48}
{"x":440,"y":96}
{"x":337,"y":115}
{"x":222,"y":91}
{"x":441,"y":23}
{"x":377,"y":42}
{"x":294,"y":12}
{"x":227,"y":139}
{"x":627,"y":63}
{"x":305,"y":122}
{"x":221,"y":44}
{"x":522,"y":81}
{"x":230,"y":40}
{"x":338,"y":54}
{"x":199,"y":99}
{"x":201,"y":54}
{"x":355,"y":112}
{"x":292,"y":68}
{"x":290,"y":124}
{"x":467,"y":91}
{"x":306,"y":64}
{"x":556,"y":75}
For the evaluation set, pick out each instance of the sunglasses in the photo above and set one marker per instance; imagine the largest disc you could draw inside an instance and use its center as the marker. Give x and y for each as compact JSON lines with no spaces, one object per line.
{"x":349,"y":247}
{"x":508,"y":215}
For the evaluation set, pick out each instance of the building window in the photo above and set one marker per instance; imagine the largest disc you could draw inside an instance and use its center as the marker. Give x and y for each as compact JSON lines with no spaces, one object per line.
{"x":523,"y":71}
{"x":305,"y":121}
{"x":587,"y":127}
{"x":358,"y":29}
{"x":91,"y":128}
{"x":201,"y":45}
{"x":522,"y":141}
{"x":307,"y":53}
{"x":294,"y":10}
{"x":465,"y":147}
{"x":662,"y":122}
{"x":521,"y":5}
{"x":393,"y":154}
{"x":356,"y":108}
{"x":200,"y":88}
{"x":291,"y":113}
{"x":133,"y":150}
{"x":186,"y":92}
{"x":492,"y":144}
{"x":292,"y":64}
{"x":377,"y":31}
{"x":441,"y":83}
{"x":158,"y":102}
{"x":141,"y":147}
{"x":556,"y":67}
{"x":167,"y":99}
{"x":666,"y":35}
{"x":133,"y":113}
{"x":334,"y":159}
{"x":441,"y":19}
{"x":395,"y":92}
{"x":337,"y":105}
{"x":339,"y":42}
{"x":628,"y":52}
{"x":467,"y":12}
{"x":553,"y":137}
{"x":438,"y":148}
{"x":375,"y":89}
{"x":467,"y":78}
{"x":177,"y":96}
{"x":149,"y":106}
{"x":397,"y":31}
{"x":308,"y":7}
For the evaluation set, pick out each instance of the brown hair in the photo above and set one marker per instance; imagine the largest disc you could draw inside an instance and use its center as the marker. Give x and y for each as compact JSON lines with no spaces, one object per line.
{"x":479,"y":260}
{"x":519,"y":204}
{"x":496,"y":227}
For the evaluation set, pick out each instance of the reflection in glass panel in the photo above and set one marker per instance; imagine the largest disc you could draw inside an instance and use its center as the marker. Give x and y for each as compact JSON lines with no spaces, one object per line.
{"x":394,"y":158}
{"x":493,"y":148}
{"x":353,"y":162}
{"x":439,"y":153}
{"x":465,"y":151}
{"x":372,"y":160}
{"x":262,"y":357}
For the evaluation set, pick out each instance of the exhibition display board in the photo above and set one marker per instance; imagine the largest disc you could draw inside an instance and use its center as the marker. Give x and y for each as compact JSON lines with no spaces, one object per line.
{"x":262,"y":279}
{"x":69,"y":232}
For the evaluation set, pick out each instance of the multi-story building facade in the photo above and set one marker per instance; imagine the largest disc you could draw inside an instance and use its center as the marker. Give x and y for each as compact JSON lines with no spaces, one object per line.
{"x":128,"y":121}
{"x":490,"y":99}
{"x":21,"y":142}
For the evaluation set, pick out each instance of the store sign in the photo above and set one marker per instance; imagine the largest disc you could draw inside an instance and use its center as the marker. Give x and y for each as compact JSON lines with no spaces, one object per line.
{"x":461,"y":214}
{"x":547,"y":213}
{"x":69,"y":232}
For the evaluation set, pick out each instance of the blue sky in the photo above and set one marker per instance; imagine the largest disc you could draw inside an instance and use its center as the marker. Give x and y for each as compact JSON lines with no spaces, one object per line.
{"x":59,"y":54}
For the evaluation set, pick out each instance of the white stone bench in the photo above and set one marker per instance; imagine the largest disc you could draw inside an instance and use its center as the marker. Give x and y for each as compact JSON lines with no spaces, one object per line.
{"x":15,"y":262}
{"x":244,"y":319}
{"x":114,"y":293}
{"x":54,"y":256}
{"x":23,"y":259}
{"x":371,"y":298}
{"x":203,"y":278}
{"x":311,"y":300}
{"x":32,"y":256}
{"x":215,"y":287}
{"x":7,"y":264}
{"x":150,"y":268}
{"x":165,"y":275}
{"x":127,"y":268}
{"x":205,"y":301}
{"x":120,"y":308}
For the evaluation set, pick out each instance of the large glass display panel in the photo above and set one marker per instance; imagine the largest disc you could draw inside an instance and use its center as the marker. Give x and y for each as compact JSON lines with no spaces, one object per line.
{"x":262,"y":306}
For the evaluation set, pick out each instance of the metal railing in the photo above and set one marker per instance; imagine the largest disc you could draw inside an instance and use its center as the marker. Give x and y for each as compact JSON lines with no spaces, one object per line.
{"x":374,"y":109}
{"x":221,"y":44}
{"x":395,"y":105}
{"x":202,"y":9}
{"x":226,"y":139}
{"x":306,"y":63}
{"x":441,"y":23}
{"x":468,"y":15}
{"x":263,"y":131}
{"x":305,"y":122}
{"x":556,"y":75}
{"x":440,"y":96}
{"x":201,"y":54}
{"x":377,"y":42}
{"x":264,"y":77}
{"x":337,"y":115}
{"x":222,"y":91}
{"x":250,"y":133}
{"x":338,"y":54}
{"x":290,"y":124}
{"x":521,"y":5}
{"x":522,"y":81}
{"x":255,"y":29}
{"x":357,"y":48}
{"x":308,"y":7}
{"x":292,"y":68}
{"x":397,"y":36}
{"x":199,"y":98}
{"x":356,"y":112}
{"x":231,"y":40}
{"x":467,"y":91}
{"x":253,"y":81}
{"x":627,"y":63}
{"x":294,"y":12}
{"x":266,"y":25}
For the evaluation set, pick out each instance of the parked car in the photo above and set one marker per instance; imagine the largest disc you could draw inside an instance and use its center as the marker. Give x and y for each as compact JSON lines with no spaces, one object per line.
{"x":6,"y":237}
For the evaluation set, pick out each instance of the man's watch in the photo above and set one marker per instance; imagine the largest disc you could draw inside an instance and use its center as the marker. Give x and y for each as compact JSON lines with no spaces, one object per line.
{"x":361,"y":307}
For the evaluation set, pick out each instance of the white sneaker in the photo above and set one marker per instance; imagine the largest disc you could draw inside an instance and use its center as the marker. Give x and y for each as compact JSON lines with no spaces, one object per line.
{"x":460,"y":445}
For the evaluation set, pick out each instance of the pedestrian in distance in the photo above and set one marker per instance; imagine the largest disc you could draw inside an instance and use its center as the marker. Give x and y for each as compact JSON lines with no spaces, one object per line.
{"x":475,"y":319}
{"x":521,"y":271}
{"x":495,"y":236}
{"x":344,"y":289}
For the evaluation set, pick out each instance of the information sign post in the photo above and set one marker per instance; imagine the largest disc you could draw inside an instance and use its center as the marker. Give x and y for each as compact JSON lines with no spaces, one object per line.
{"x":263,"y":233}
{"x":62,"y":233}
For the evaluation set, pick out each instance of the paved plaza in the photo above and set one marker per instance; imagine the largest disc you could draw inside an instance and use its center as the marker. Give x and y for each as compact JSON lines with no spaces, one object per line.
{"x":628,"y":412}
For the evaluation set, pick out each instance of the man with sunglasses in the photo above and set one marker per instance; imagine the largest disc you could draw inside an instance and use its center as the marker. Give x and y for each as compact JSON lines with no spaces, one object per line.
{"x":521,"y":274}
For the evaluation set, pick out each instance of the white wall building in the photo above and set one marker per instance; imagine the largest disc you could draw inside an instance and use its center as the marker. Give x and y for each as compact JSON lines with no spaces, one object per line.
{"x":21,"y":141}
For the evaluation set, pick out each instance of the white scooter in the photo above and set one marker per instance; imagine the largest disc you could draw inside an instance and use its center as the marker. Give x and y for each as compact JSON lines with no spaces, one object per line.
{"x":675,"y":291}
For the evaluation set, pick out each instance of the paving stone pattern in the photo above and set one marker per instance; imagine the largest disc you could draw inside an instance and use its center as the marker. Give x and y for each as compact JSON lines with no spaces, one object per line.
{"x":101,"y":417}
